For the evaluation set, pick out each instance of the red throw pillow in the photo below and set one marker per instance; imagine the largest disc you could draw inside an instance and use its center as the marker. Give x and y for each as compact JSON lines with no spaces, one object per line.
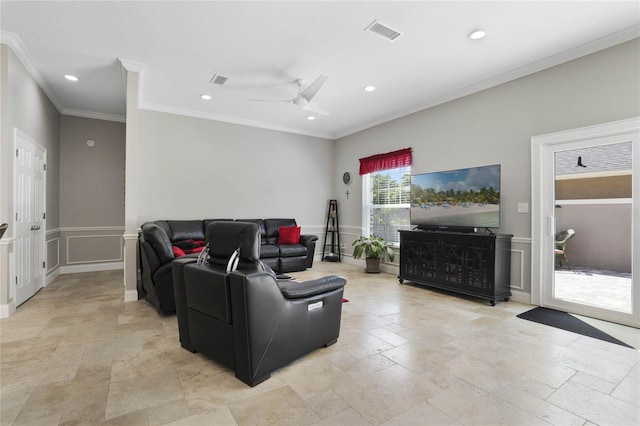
{"x":177,"y":251}
{"x":289,"y":235}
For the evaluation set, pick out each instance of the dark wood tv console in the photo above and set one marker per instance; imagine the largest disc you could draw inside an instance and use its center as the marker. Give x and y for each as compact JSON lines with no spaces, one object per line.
{"x":474,"y":264}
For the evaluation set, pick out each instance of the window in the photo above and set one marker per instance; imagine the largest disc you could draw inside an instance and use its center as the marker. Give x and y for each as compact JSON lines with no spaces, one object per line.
{"x":386,"y":204}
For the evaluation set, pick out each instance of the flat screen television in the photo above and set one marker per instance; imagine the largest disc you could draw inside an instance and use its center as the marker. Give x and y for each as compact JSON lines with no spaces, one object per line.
{"x":457,"y":200}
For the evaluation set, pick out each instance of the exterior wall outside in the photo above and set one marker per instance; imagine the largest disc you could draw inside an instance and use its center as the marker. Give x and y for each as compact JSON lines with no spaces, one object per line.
{"x":26,"y":107}
{"x":594,"y":188}
{"x":91,"y":192}
{"x":495,"y":127}
{"x":603,"y":235}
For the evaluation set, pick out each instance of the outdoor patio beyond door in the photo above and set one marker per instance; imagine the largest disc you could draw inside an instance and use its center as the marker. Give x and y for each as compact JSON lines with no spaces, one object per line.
{"x":593,"y":215}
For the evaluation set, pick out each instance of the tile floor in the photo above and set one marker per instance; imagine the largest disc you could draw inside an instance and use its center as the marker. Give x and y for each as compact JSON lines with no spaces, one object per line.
{"x":77,"y":354}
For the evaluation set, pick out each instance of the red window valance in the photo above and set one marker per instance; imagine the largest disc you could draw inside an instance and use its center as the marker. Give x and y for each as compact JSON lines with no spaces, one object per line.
{"x":390,"y":160}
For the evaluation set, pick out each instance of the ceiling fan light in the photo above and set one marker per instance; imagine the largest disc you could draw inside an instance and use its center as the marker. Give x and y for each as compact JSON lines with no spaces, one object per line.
{"x":477,"y":34}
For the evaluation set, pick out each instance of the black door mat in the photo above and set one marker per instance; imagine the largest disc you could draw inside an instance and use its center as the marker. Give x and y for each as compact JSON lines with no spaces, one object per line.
{"x":568,"y":322}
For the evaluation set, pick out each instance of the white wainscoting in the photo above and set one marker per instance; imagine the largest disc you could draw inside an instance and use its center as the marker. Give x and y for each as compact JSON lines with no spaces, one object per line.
{"x":94,"y":248}
{"x":53,"y":252}
{"x":53,"y":249}
{"x":89,"y":249}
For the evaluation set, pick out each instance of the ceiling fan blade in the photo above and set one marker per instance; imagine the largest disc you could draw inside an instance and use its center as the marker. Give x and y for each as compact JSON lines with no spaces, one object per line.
{"x":313,"y":88}
{"x":314,"y":108}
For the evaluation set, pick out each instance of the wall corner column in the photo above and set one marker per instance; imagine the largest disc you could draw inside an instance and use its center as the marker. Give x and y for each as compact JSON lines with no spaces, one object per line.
{"x":132,"y":72}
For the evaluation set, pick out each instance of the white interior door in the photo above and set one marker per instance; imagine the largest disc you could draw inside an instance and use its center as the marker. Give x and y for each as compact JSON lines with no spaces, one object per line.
{"x":545,"y":150}
{"x":30,"y":219}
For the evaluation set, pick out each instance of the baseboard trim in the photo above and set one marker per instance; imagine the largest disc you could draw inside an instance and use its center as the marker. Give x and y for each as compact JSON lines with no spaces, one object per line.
{"x":7,"y":310}
{"x":131,"y":295}
{"x":91,"y":267}
{"x":51,"y":276}
{"x":520,"y":296}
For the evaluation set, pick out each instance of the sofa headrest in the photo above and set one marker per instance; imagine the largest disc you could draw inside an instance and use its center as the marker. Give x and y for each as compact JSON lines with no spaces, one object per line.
{"x":186,"y":230}
{"x":272,"y":227}
{"x":225,"y":237}
{"x":260,"y":223}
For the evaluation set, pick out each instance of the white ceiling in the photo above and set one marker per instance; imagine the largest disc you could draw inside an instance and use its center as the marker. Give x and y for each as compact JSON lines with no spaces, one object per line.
{"x":262,"y":46}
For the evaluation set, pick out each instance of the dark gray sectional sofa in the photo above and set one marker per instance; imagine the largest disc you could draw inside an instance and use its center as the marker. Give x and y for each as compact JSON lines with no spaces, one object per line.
{"x":155,"y":253}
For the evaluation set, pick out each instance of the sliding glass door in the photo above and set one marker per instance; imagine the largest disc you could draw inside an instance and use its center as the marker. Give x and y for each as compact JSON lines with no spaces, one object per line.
{"x":586,"y":222}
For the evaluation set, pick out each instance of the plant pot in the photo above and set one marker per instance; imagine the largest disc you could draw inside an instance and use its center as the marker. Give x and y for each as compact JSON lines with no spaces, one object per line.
{"x":373,"y":265}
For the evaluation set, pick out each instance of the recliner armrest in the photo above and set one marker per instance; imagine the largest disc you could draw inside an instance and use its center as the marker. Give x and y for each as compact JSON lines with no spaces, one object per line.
{"x":300,"y":290}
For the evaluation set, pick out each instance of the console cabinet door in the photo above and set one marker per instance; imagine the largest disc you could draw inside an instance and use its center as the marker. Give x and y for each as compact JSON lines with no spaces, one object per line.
{"x":479,"y":263}
{"x":419,"y":258}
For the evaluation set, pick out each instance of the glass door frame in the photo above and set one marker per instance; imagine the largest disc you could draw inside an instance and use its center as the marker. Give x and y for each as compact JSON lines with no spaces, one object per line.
{"x":543,"y":148}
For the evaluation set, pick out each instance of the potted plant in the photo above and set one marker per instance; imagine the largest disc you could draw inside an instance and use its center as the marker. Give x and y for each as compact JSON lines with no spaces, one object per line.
{"x":374,"y":250}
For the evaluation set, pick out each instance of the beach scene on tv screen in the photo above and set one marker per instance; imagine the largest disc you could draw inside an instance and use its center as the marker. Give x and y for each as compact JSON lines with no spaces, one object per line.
{"x":466,"y":197}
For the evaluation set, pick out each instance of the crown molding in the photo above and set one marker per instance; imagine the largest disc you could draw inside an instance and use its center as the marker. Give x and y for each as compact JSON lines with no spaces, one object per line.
{"x":15,"y":44}
{"x":94,"y":115}
{"x":549,"y":62}
{"x":132,"y":66}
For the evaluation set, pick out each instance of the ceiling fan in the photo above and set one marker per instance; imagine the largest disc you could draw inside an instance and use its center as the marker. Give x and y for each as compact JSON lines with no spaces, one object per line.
{"x":303,"y":99}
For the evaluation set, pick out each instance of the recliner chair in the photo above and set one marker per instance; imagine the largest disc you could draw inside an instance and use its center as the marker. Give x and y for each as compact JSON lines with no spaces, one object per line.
{"x":248,"y":320}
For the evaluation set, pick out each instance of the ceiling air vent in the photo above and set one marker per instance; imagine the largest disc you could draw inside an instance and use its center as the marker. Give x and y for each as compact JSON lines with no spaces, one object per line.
{"x":218,"y":79}
{"x":383,"y":31}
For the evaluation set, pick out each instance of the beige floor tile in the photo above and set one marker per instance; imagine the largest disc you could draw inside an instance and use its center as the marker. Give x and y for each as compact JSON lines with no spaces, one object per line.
{"x":142,"y":392}
{"x":538,"y":407}
{"x":386,"y":393}
{"x":468,"y":404}
{"x":327,"y":404}
{"x":595,"y":406}
{"x":421,"y":415}
{"x":348,"y":417}
{"x":310,"y":377}
{"x":280,"y":406}
{"x":167,"y":413}
{"x":628,"y":390}
{"x":220,"y":417}
{"x":77,"y":354}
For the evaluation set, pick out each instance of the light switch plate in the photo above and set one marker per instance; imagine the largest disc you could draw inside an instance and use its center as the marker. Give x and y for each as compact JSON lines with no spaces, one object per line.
{"x":523,"y":207}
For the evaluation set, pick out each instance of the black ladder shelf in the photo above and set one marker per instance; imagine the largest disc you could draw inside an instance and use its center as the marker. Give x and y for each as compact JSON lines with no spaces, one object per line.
{"x":332,"y":229}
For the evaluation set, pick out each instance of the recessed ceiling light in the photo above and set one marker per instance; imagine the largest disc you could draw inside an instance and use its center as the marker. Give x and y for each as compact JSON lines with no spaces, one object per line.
{"x":71,"y":77}
{"x":477,"y":34}
{"x":205,"y":97}
{"x":311,"y":118}
{"x":369,"y":88}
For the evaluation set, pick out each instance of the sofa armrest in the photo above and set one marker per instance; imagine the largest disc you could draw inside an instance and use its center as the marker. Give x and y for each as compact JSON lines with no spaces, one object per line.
{"x":181,"y":300}
{"x":159,"y":241}
{"x":300,"y":290}
{"x":307,"y":239}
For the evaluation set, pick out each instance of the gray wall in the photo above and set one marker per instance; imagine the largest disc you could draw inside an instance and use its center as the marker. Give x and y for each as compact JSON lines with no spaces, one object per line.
{"x":26,"y":107}
{"x":91,"y":191}
{"x":191,"y":168}
{"x":496,"y":126}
